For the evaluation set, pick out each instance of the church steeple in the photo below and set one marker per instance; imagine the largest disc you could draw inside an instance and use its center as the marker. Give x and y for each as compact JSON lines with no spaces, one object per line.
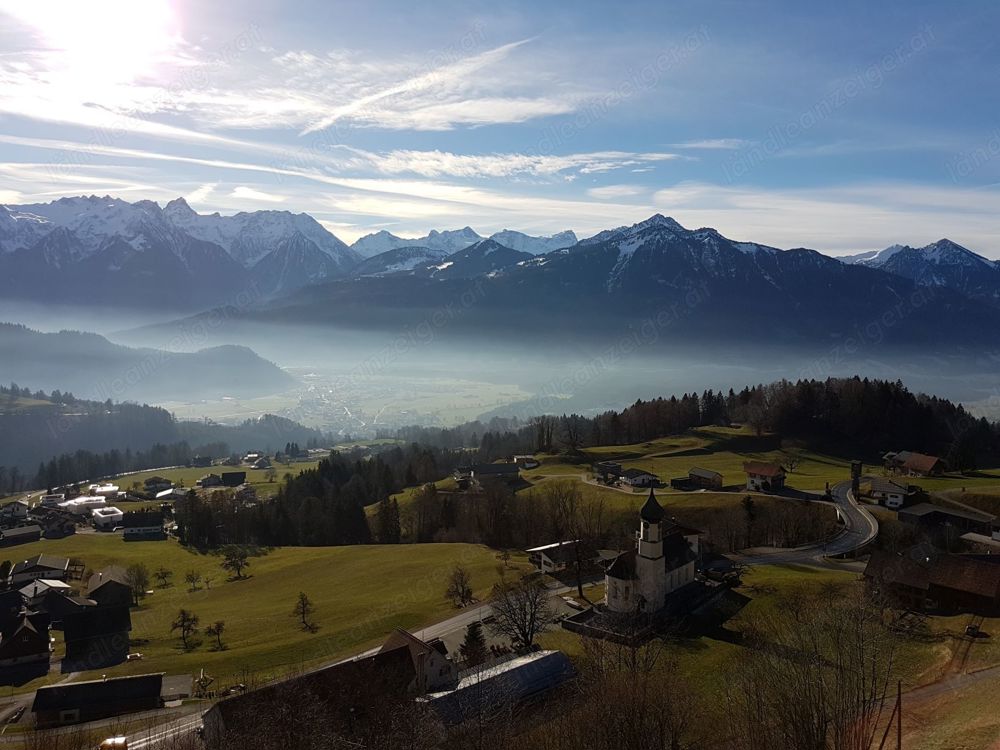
{"x":652,"y":511}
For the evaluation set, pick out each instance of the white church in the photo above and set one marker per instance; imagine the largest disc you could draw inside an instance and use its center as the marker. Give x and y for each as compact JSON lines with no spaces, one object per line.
{"x":640,"y":580}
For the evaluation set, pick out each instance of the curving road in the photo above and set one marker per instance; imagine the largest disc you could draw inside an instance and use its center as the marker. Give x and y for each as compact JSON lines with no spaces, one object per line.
{"x":860,"y":528}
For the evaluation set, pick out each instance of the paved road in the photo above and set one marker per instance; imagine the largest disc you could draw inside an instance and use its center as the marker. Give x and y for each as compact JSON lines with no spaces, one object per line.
{"x":860,"y":528}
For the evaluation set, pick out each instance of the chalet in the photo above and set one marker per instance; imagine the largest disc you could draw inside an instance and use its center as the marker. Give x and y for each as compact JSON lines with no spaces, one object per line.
{"x":39,"y":566}
{"x":233,"y":478}
{"x":698,"y":478}
{"x":109,"y":588}
{"x":74,"y":702}
{"x":156,"y":484}
{"x":143,"y":525}
{"x":58,"y":606}
{"x":106,"y":519}
{"x":639,"y":478}
{"x":252,"y":456}
{"x":52,"y":500}
{"x":97,"y":637}
{"x":764,"y":477}
{"x":937,"y":581}
{"x":527,"y":462}
{"x":913,"y":464}
{"x":607,"y":471}
{"x":14,"y":512}
{"x":355,"y":696}
{"x":20,"y":535}
{"x":209,"y":480}
{"x":433,"y":668}
{"x":551,"y":558}
{"x":482,"y":474}
{"x":200,"y":462}
{"x":25,"y":641}
{"x":261,"y":463}
{"x":107,"y":491}
{"x":245,"y":494}
{"x":930,"y":516}
{"x":890,"y":493}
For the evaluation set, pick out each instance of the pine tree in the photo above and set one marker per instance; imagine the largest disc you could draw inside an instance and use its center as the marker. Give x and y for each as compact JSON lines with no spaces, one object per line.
{"x":473,"y":648}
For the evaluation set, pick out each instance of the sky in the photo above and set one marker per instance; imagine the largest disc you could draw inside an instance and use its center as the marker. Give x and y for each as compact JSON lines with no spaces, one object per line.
{"x":843,"y":127}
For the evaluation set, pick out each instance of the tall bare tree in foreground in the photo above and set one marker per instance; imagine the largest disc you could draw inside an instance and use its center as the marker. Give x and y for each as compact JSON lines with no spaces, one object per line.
{"x":521,"y":610}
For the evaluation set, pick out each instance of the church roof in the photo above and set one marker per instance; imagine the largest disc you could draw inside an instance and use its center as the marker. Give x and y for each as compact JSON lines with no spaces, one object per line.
{"x":623,"y":567}
{"x":651,"y":511}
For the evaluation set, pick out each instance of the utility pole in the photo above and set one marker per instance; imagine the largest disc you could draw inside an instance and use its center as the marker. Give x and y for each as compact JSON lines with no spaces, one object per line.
{"x":899,"y":715}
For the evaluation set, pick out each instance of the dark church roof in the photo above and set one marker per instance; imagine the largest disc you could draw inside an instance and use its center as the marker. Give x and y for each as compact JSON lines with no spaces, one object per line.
{"x":623,"y":567}
{"x":651,"y":511}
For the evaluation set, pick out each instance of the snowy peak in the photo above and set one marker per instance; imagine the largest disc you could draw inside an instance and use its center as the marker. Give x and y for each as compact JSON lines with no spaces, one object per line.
{"x":399,"y":260}
{"x":526,"y":243}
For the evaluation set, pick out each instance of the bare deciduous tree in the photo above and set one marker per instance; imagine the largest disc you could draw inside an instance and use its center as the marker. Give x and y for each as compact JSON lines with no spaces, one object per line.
{"x":521,"y":610}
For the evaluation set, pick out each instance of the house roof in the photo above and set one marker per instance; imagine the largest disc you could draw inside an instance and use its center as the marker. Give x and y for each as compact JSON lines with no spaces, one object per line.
{"x":114,"y":574}
{"x":965,"y":573}
{"x":489,"y":469}
{"x":142,"y":518}
{"x":97,"y":692}
{"x":925,"y":509}
{"x":634,"y":473}
{"x":622,"y":567}
{"x":21,"y":531}
{"x":886,"y":485}
{"x":763,"y":469}
{"x":676,"y":551}
{"x":704,"y":473}
{"x":41,"y":561}
{"x":919,"y":461}
{"x":557,"y":551}
{"x":40,"y":586}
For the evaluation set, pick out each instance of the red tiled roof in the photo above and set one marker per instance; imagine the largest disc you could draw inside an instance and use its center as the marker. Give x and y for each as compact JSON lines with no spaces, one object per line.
{"x":920,"y":462}
{"x":763,"y":469}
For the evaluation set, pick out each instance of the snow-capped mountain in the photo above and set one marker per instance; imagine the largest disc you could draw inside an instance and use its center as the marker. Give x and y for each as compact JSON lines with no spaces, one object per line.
{"x":249,"y":236}
{"x":482,"y":259}
{"x":525,"y":243}
{"x":941,"y":264}
{"x":108,"y":246}
{"x":448,"y":241}
{"x":399,"y":260}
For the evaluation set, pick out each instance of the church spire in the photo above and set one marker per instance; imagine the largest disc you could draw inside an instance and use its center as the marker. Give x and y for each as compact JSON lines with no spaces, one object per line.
{"x":652,"y":511}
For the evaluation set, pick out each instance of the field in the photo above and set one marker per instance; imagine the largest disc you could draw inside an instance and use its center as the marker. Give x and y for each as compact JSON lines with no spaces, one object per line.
{"x":186,"y":477}
{"x":261,"y":633}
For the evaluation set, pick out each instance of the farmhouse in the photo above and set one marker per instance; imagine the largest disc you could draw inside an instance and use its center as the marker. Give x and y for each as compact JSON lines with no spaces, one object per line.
{"x":607,"y":471}
{"x":172,"y":495}
{"x":13,"y":513}
{"x":109,"y":588}
{"x":156,"y":484}
{"x":938,"y":582}
{"x":200,"y":462}
{"x":890,"y":493}
{"x":142,"y":525}
{"x":74,"y":702}
{"x":481,"y":474}
{"x":209,"y":480}
{"x":20,"y":535}
{"x":33,"y":594}
{"x":640,"y":580}
{"x":698,"y":478}
{"x":930,"y":516}
{"x":639,"y":478}
{"x":527,"y":462}
{"x":913,"y":464}
{"x":25,"y":641}
{"x":551,"y":558}
{"x":39,"y":566}
{"x":233,"y":478}
{"x":764,"y":477}
{"x":433,"y":669}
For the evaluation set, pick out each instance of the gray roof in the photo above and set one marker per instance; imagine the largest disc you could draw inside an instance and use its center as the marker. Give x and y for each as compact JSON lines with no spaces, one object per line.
{"x":495,"y":469}
{"x":926,"y":509}
{"x":97,"y":692}
{"x":42,"y":561}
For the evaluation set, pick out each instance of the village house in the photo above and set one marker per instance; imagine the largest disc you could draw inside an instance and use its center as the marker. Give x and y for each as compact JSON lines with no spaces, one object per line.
{"x":143,"y":525}
{"x":209,"y":480}
{"x":936,"y":581}
{"x":172,"y":495}
{"x":527,"y":462}
{"x":639,"y":478}
{"x":764,"y":477}
{"x":233,"y":478}
{"x":607,"y":472}
{"x":75,"y":702}
{"x":109,"y":588}
{"x":53,"y":500}
{"x":481,"y":474}
{"x":20,"y":535}
{"x":26,"y":641}
{"x":433,"y":668}
{"x":200,"y":462}
{"x":156,"y":484}
{"x":58,"y":606}
{"x":83,"y":505}
{"x":245,"y":494}
{"x":929,"y":516}
{"x":107,"y":491}
{"x":913,"y":464}
{"x":11,"y":606}
{"x":698,"y":478}
{"x":14,"y":512}
{"x":891,"y":493}
{"x":641,"y":579}
{"x":261,"y":463}
{"x":554,"y":557}
{"x":33,"y":594}
{"x":106,"y":519}
{"x":39,"y":566}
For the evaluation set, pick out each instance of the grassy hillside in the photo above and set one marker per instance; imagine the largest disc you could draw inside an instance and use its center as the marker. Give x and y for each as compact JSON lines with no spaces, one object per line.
{"x":360,"y":593}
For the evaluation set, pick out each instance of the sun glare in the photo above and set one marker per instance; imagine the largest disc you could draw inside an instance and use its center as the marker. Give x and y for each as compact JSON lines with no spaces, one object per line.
{"x":111,"y":41}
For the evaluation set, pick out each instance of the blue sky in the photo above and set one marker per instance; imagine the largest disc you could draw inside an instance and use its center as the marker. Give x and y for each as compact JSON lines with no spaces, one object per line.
{"x":841,"y":126}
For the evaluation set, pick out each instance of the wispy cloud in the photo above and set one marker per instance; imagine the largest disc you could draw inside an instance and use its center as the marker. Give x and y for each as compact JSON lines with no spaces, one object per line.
{"x":615,"y":191}
{"x":242,"y":192}
{"x":713,"y":144}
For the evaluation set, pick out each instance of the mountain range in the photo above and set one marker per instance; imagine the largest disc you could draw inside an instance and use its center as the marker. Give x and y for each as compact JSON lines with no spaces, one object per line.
{"x":714,"y":286}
